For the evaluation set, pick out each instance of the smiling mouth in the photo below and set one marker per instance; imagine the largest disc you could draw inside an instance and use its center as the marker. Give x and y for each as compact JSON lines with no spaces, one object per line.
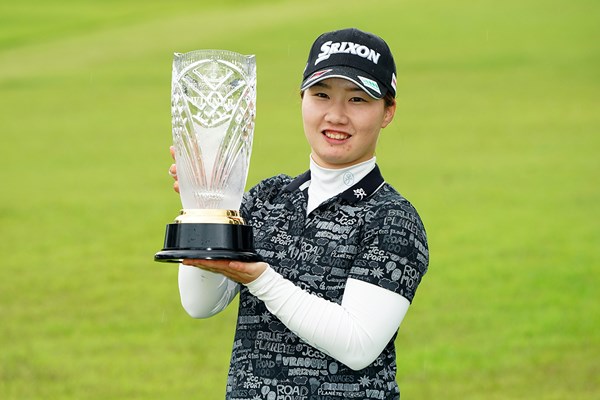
{"x":336,"y":135}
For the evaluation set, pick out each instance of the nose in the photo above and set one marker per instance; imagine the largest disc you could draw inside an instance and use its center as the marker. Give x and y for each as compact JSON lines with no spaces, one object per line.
{"x":336,"y":114}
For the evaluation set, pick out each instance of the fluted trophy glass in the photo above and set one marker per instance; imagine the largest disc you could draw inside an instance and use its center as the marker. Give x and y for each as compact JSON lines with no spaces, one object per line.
{"x":213,"y":105}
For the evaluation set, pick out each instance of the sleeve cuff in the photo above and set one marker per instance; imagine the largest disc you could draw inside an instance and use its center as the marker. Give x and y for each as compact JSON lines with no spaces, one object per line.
{"x":268,"y":275}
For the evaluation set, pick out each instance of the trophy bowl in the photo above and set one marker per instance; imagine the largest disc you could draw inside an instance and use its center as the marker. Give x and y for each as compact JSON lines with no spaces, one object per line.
{"x":213,"y":107}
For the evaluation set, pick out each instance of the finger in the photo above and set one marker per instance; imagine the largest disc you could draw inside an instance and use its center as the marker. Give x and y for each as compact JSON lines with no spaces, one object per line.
{"x":190,"y":262}
{"x":206,"y":263}
{"x":198,"y":264}
{"x":172,"y":150}
{"x":216,"y":264}
{"x":176,"y":186}
{"x":173,"y":171}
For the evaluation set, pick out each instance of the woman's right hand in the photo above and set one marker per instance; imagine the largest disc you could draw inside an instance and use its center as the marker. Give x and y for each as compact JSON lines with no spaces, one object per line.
{"x":173,"y":171}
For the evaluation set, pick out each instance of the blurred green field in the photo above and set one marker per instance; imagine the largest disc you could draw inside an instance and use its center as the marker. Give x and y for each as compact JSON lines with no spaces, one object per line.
{"x":496,"y":142}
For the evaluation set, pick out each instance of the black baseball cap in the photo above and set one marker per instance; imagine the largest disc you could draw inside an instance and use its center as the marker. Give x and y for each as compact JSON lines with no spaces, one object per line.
{"x":360,"y":57}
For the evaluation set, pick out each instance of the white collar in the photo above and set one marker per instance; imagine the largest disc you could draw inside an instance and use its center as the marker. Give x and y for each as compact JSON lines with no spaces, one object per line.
{"x":326,"y":183}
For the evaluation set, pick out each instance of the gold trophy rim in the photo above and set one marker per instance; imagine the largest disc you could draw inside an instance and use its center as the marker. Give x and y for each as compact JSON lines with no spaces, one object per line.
{"x":209,"y":216}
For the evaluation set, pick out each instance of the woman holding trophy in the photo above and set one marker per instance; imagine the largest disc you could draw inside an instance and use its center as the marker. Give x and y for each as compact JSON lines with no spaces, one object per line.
{"x":343,"y":252}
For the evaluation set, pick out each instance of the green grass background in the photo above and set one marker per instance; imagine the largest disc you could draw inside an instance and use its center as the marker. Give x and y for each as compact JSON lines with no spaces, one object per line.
{"x":496,"y":141}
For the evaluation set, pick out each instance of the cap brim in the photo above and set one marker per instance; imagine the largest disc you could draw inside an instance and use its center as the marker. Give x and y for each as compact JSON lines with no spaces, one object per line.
{"x":361,"y":79}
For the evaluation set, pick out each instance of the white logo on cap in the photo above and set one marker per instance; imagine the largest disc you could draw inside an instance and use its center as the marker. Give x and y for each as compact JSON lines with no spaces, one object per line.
{"x":370,"y":83}
{"x":330,"y":47}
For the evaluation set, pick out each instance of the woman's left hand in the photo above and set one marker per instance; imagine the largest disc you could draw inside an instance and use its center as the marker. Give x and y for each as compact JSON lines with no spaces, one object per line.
{"x":242,"y":272}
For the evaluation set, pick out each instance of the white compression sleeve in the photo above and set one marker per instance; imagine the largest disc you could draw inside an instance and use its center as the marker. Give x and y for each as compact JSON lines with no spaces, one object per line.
{"x":354,"y":333}
{"x":204,"y":293}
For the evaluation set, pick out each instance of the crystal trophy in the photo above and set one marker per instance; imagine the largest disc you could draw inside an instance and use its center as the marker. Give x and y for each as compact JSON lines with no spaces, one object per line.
{"x":213,"y":106}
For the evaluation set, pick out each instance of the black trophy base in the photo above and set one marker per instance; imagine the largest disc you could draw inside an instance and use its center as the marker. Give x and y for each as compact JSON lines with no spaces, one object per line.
{"x":208,"y":242}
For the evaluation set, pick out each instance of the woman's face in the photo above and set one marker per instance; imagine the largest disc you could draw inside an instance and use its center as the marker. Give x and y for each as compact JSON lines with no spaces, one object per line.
{"x":342,"y":122}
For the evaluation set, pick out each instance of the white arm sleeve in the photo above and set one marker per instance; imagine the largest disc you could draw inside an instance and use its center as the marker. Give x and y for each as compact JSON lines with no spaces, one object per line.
{"x":354,"y":333}
{"x":204,"y":293}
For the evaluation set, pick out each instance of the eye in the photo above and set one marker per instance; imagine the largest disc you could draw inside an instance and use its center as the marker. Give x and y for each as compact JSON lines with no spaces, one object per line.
{"x":357,"y":99}
{"x":321,"y":95}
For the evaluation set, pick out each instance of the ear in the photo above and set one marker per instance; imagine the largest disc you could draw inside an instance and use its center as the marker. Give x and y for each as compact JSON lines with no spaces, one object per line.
{"x":388,"y":115}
